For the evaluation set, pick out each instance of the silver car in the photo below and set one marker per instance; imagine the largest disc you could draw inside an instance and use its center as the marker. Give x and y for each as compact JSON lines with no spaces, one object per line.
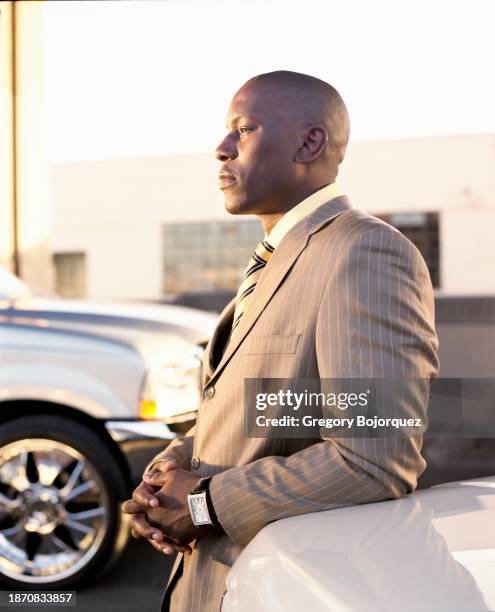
{"x":88,"y":394}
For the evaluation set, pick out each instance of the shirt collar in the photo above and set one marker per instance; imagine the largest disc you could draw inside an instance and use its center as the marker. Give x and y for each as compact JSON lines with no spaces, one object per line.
{"x":301,"y":210}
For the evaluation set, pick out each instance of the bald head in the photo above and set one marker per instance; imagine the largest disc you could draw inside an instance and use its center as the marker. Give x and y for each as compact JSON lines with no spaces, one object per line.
{"x":286,"y":136}
{"x":311,"y":101}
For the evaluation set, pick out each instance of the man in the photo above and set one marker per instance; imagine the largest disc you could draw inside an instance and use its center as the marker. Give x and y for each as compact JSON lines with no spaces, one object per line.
{"x":331,"y":292}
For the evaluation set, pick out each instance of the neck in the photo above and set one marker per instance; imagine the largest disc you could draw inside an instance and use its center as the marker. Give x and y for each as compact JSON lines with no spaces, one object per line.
{"x":269,"y":220}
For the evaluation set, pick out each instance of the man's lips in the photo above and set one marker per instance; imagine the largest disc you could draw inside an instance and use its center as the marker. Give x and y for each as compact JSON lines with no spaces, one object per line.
{"x":226,"y":179}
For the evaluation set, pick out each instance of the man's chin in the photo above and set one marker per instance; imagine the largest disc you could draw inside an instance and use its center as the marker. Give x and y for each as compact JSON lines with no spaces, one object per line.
{"x":236,"y":206}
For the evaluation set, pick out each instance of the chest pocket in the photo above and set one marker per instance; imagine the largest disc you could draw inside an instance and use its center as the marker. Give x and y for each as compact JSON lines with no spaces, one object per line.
{"x":270,"y":344}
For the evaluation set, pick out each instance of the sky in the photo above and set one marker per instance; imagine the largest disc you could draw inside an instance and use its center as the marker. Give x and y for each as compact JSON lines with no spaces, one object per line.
{"x":140,"y":78}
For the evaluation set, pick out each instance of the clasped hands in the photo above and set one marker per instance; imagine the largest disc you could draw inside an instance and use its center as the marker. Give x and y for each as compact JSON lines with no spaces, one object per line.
{"x":159,"y":509}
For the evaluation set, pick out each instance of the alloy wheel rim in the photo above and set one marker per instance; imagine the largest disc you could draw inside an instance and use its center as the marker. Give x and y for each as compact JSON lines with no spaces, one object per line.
{"x":54,"y":510}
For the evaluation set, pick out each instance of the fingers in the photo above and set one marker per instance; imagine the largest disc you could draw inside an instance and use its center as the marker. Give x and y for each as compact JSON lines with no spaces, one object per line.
{"x":163,"y":547}
{"x":143,"y":496}
{"x":142,"y":529}
{"x":166,"y":465}
{"x":131,"y":507}
{"x":155,"y":479}
{"x":169,"y":548}
{"x":183,"y":548}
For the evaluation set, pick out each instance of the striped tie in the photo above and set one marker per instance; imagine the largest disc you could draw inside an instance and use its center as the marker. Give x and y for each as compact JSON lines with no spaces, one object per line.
{"x":258,"y":261}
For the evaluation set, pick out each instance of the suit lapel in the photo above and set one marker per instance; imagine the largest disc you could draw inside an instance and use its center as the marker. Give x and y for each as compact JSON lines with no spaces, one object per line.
{"x":284,"y":257}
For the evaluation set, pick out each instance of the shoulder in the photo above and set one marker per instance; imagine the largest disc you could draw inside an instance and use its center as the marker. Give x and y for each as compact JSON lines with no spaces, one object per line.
{"x":355,"y":222}
{"x":358,"y":241}
{"x":357,"y":230}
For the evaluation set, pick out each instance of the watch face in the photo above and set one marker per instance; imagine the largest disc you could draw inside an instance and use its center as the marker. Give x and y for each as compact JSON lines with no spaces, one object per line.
{"x":197,"y":505}
{"x":199,"y":508}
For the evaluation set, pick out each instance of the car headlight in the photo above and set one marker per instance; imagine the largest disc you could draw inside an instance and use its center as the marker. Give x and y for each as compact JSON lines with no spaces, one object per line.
{"x":171,"y":390}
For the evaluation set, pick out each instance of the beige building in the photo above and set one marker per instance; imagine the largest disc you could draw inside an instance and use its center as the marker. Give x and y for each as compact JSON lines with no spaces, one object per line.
{"x":151,"y":227}
{"x":25,"y":205}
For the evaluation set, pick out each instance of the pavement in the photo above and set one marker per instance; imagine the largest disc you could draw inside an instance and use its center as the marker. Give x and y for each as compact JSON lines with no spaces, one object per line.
{"x":134,"y":584}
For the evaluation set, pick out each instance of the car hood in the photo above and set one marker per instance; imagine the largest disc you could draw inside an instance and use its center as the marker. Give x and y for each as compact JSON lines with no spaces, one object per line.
{"x":190,"y":324}
{"x":432,"y":550}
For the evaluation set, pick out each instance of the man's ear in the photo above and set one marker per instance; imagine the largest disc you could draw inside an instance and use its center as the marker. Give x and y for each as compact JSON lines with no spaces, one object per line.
{"x":315,"y":141}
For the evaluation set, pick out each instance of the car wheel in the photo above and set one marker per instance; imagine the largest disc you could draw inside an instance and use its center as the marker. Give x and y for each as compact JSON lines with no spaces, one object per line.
{"x":60,"y":492}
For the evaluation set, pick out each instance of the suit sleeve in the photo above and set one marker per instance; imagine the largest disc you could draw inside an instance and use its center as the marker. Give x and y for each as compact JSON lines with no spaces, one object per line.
{"x":375,"y":319}
{"x":179,"y":449}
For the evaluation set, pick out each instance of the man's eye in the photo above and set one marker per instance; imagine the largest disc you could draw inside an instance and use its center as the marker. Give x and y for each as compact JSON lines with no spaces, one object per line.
{"x":242,"y":130}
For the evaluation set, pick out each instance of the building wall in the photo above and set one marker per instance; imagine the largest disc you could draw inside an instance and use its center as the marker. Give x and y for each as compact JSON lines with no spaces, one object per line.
{"x":114,"y":210}
{"x":21,"y":29}
{"x":448,"y":173}
{"x":6,"y":137}
{"x":468,"y":251}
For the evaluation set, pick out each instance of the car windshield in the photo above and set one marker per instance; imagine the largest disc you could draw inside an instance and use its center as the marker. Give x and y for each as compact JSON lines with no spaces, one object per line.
{"x":11,"y":287}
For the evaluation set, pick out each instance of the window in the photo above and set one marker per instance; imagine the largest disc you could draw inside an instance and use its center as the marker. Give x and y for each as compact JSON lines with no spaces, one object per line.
{"x":207,"y":256}
{"x":422,"y":230}
{"x":70,"y":271}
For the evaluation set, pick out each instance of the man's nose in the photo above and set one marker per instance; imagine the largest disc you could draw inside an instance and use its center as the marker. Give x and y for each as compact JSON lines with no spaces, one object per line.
{"x":226,"y":149}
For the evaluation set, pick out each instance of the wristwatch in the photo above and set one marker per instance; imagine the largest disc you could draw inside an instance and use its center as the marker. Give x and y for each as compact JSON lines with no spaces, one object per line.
{"x":200,"y":506}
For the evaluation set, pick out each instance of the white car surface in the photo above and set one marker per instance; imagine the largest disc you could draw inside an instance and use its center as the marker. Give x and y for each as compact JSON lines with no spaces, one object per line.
{"x":433,"y":550}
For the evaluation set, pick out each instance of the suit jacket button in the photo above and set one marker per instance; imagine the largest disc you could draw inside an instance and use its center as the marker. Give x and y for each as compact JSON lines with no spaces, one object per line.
{"x":209,"y":392}
{"x":195,"y":462}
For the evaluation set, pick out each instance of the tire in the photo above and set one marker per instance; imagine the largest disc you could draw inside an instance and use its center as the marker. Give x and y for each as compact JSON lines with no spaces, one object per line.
{"x":60,"y":492}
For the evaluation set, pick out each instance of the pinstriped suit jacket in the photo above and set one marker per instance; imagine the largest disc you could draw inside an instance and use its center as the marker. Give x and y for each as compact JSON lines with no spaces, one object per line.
{"x":345,"y":295}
